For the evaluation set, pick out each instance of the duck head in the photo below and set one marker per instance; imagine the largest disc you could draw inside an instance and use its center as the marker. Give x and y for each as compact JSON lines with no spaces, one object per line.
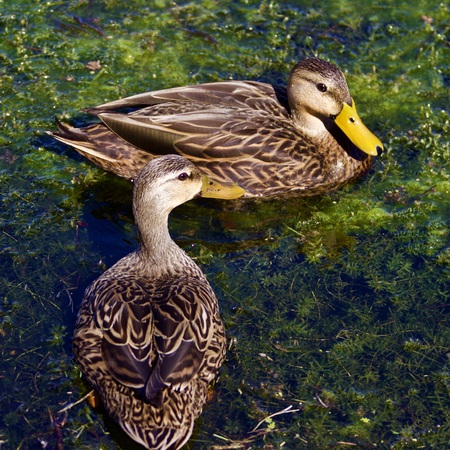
{"x":318,"y":93}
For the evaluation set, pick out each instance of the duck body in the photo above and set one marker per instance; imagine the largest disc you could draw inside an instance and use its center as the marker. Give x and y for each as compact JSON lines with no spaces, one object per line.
{"x":149,"y":337}
{"x":268,"y":140}
{"x":134,"y":341}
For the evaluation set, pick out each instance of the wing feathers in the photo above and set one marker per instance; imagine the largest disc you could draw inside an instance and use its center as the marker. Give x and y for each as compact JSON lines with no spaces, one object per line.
{"x":154,"y":336}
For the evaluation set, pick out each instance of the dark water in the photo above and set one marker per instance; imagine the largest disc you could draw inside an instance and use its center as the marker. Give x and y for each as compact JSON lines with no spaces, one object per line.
{"x":336,"y":306}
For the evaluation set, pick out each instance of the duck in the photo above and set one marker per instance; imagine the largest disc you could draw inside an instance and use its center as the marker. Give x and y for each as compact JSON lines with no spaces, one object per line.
{"x":149,"y":336}
{"x":305,"y":138}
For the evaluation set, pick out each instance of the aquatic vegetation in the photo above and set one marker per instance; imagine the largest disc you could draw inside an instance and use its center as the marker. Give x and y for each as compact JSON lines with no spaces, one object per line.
{"x":337,"y":305}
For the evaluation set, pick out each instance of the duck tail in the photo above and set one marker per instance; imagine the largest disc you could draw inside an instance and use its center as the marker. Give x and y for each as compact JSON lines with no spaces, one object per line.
{"x":102,"y":147}
{"x":67,"y":133}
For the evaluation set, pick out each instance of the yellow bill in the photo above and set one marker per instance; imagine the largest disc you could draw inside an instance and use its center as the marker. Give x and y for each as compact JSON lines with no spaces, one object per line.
{"x":213,"y":189}
{"x":350,"y":123}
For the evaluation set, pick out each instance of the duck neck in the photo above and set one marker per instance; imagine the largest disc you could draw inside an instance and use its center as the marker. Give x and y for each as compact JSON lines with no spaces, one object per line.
{"x":310,"y":125}
{"x":156,"y":244}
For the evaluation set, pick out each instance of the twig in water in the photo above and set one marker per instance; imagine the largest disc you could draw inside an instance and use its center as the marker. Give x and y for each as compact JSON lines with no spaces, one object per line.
{"x":71,"y":405}
{"x":284,"y":411}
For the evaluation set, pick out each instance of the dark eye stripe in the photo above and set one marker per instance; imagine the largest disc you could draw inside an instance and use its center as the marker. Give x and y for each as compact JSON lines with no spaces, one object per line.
{"x":321,"y":87}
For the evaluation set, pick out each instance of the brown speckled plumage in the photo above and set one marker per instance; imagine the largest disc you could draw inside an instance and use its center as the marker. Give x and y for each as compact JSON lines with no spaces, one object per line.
{"x":267,"y":140}
{"x":149,"y":337}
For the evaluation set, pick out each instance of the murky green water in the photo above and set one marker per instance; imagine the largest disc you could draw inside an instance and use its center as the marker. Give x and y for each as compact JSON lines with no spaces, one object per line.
{"x":336,"y":305}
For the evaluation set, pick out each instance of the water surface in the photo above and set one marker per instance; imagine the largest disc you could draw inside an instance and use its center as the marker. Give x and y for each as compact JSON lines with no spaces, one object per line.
{"x":335,"y":306}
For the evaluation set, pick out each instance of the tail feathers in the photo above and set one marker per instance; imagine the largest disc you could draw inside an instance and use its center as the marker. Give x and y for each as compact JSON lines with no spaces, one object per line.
{"x":164,"y":438}
{"x":67,"y":133}
{"x":79,"y":139}
{"x":104,"y":148}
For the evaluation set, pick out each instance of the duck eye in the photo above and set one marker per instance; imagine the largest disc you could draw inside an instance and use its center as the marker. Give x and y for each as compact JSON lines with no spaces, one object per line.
{"x":321,"y":87}
{"x":183,"y":176}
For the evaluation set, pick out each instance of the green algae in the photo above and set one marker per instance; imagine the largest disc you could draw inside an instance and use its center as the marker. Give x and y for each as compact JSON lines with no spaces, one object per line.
{"x":337,"y":306}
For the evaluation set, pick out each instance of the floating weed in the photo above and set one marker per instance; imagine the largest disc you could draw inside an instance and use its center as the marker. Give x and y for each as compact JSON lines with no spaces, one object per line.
{"x":376,"y":329}
{"x":57,"y":335}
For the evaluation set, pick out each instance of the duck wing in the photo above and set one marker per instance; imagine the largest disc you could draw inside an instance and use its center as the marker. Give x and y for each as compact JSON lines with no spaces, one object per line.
{"x":185,"y":329}
{"x":114,"y":331}
{"x":248,"y":94}
{"x":152,"y":335}
{"x":183,"y":119}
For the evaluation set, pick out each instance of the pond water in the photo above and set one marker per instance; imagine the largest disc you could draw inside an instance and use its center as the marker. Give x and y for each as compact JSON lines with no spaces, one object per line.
{"x":336,"y":307}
